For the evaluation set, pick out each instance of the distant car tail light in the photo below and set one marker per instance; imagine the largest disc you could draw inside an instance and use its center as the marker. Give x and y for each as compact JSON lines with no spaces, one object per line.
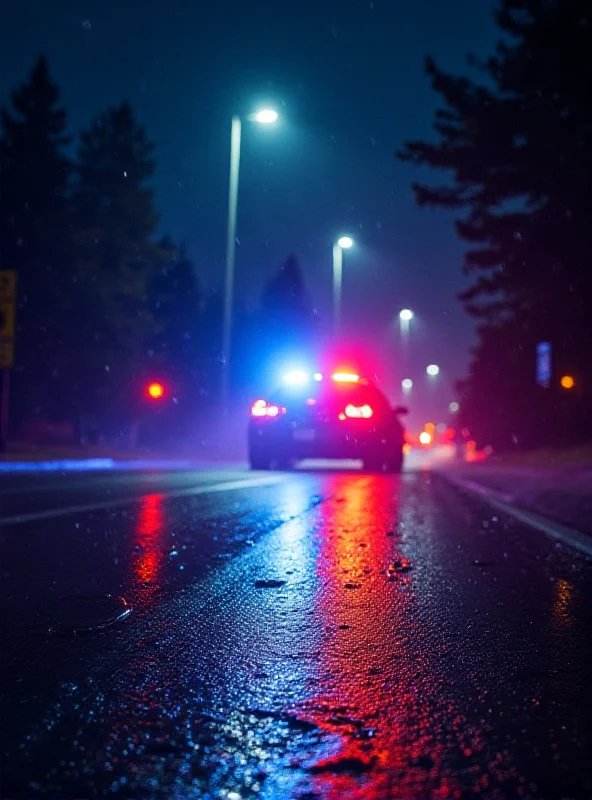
{"x":345,"y":377}
{"x":261,"y":408}
{"x":358,"y":412}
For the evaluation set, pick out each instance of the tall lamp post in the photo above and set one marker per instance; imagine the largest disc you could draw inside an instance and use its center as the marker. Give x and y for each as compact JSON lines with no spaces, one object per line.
{"x":344,"y":243}
{"x":264,"y":117}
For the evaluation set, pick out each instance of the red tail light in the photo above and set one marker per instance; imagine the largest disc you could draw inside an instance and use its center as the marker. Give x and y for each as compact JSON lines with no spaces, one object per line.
{"x":358,"y":412}
{"x":261,"y":408}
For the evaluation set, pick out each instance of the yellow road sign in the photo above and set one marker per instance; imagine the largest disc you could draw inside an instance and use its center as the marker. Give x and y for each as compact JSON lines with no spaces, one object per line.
{"x":6,"y":319}
{"x":6,"y":354}
{"x":7,"y":284}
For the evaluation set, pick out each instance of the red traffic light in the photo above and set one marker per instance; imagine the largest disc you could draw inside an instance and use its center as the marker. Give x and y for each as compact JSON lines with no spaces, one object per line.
{"x":155,"y":391}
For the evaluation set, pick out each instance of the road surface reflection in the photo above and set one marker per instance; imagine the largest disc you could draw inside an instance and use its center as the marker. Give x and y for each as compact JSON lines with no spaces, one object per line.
{"x":381,"y":690}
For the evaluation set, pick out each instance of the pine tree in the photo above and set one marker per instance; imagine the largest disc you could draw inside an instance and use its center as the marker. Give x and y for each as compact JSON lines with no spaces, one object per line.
{"x":516,"y":145}
{"x":35,"y":240}
{"x":175,"y":300}
{"x":285,"y":303}
{"x":117,"y":218}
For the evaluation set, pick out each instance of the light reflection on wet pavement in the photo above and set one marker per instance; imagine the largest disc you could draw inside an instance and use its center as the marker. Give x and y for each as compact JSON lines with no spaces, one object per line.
{"x":335,"y":635}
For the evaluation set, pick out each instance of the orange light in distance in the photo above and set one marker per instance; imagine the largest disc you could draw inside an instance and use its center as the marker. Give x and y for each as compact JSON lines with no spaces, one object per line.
{"x":567,"y":382}
{"x":345,"y":377}
{"x":155,"y":390}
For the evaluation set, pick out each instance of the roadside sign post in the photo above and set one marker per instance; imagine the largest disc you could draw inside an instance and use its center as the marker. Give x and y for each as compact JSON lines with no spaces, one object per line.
{"x":7,"y":332}
{"x":543,"y":364}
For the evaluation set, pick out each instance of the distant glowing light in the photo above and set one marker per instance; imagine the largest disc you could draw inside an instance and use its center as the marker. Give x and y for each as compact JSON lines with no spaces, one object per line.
{"x":345,"y":377}
{"x":454,"y":407}
{"x":311,"y":401}
{"x":155,"y":390}
{"x":345,"y":242}
{"x":433,"y":369}
{"x":407,"y":384}
{"x":406,"y":314}
{"x":317,"y":376}
{"x":296,"y":377}
{"x":430,"y":427}
{"x":266,"y":116}
{"x":273,"y":411}
{"x":425,"y":437}
{"x":567,"y":382}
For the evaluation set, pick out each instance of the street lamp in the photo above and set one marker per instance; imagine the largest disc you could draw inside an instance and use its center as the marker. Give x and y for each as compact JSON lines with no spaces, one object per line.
{"x":343,"y":243}
{"x":406,"y":315}
{"x":264,"y":117}
{"x":407,"y":384}
{"x":433,"y":369}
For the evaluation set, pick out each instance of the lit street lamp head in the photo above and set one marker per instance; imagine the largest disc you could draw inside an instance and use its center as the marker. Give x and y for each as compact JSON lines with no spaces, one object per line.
{"x":345,"y":242}
{"x":433,"y":369}
{"x":406,"y":315}
{"x":407,"y":384}
{"x":266,"y":116}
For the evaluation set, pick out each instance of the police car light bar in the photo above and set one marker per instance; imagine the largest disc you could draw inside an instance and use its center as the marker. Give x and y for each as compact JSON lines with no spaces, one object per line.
{"x":345,"y":377}
{"x":296,"y":377}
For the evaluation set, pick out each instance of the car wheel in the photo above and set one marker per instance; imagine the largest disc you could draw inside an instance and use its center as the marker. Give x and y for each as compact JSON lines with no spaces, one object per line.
{"x":259,"y":461}
{"x":373,"y":465}
{"x":395,"y":466}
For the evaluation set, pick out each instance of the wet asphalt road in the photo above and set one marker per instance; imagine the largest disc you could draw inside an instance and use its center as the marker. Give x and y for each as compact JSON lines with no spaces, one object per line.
{"x":308,"y":635}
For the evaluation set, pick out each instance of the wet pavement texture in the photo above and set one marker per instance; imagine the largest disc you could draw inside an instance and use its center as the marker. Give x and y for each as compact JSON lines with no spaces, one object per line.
{"x":327,"y":635}
{"x":562,"y":495}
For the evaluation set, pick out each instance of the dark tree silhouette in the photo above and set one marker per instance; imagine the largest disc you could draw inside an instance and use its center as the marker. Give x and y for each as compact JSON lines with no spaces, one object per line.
{"x":285,"y":303}
{"x":35,"y":240}
{"x":118,"y":257}
{"x":517,"y":148}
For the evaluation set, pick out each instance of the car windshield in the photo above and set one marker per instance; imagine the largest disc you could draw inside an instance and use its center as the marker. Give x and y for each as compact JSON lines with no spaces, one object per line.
{"x":332,"y":394}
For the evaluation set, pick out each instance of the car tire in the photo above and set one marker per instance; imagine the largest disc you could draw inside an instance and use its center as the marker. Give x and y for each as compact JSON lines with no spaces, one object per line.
{"x":259,"y":461}
{"x":374,"y":465}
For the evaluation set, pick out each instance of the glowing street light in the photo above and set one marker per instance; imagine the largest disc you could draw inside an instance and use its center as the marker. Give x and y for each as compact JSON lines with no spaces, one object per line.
{"x":343,"y":243}
{"x":567,"y":382}
{"x":407,"y":384}
{"x":264,"y":117}
{"x":432,"y":369}
{"x":406,"y":315}
{"x":454,"y":407}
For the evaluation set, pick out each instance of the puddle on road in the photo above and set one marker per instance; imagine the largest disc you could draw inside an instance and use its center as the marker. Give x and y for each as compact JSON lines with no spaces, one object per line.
{"x":74,"y":614}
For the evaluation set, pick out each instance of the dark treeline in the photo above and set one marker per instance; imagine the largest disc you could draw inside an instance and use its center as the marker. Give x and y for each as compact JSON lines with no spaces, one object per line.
{"x":518,"y":144}
{"x":104,"y":303}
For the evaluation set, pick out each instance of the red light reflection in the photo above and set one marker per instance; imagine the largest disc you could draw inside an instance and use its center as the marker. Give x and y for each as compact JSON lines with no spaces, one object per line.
{"x":148,"y":542}
{"x":379,"y":681}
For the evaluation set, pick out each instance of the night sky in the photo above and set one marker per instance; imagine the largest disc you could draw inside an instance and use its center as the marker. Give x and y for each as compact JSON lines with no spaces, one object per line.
{"x":347,"y":78}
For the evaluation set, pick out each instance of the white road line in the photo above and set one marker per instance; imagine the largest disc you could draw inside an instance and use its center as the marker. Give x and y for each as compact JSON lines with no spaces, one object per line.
{"x":577,"y":540}
{"x":190,"y":491}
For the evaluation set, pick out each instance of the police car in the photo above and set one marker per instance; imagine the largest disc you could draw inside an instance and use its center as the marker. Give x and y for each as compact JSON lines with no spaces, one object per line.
{"x":337,"y":416}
